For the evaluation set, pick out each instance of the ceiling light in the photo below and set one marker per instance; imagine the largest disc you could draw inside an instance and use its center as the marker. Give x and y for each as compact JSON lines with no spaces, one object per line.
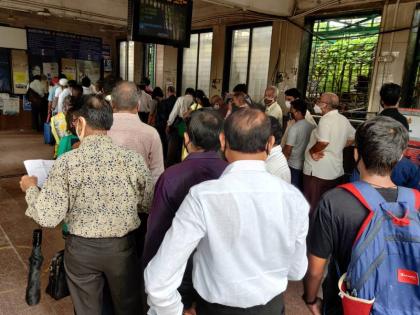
{"x":44,"y":12}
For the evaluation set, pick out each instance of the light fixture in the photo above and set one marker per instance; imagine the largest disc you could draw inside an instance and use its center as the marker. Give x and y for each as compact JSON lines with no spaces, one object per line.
{"x":44,"y":12}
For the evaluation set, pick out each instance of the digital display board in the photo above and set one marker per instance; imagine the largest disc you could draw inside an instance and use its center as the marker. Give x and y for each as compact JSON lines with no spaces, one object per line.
{"x":166,"y":22}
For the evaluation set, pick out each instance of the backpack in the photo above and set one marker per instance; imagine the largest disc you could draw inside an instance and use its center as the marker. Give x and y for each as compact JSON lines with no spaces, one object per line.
{"x":385,"y":261}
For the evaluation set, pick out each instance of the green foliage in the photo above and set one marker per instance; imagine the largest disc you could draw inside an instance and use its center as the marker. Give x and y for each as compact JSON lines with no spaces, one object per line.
{"x":341,"y":55}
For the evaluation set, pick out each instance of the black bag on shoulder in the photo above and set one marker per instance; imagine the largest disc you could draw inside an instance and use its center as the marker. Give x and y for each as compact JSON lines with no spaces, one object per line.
{"x":57,"y":285}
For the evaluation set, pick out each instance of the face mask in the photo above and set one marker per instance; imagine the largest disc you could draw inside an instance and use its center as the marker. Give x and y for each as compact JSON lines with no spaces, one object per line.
{"x":287,"y":104}
{"x":317,"y":109}
{"x":216,"y":106}
{"x":81,"y":133}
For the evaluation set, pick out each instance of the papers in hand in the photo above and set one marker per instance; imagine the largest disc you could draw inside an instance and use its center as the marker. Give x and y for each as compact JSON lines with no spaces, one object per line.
{"x":39,"y":168}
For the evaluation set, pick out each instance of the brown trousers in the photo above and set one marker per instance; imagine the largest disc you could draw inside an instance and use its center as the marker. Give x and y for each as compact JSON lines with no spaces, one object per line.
{"x":314,"y":188}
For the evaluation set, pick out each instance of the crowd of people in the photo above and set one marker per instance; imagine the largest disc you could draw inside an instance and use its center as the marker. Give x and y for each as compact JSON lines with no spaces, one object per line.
{"x":210,"y":206}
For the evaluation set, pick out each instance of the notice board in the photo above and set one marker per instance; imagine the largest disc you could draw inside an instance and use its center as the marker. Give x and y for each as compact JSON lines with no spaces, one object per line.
{"x":63,"y":45}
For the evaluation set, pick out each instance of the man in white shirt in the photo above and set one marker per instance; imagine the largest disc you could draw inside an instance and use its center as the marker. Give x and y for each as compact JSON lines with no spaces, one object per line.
{"x":248,"y":228}
{"x":272,"y":108}
{"x":276,"y":162}
{"x":65,"y":92}
{"x":174,"y":125}
{"x":323,"y":166}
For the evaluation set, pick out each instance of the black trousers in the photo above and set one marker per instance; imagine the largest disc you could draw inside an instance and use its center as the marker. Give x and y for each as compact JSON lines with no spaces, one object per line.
{"x":274,"y":307}
{"x":175,"y":143}
{"x":90,"y":263}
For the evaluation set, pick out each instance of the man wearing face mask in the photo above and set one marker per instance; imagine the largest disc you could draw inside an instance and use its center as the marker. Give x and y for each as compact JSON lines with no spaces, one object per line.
{"x":97,"y":190}
{"x":323,"y":166}
{"x":202,"y":163}
{"x":247,"y":227}
{"x":272,"y":108}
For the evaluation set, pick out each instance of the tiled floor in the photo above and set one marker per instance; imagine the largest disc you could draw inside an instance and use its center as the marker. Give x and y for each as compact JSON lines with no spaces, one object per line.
{"x":16,"y":236}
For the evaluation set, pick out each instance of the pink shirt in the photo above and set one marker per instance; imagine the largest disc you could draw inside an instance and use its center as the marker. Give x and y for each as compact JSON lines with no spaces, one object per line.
{"x":128,"y":131}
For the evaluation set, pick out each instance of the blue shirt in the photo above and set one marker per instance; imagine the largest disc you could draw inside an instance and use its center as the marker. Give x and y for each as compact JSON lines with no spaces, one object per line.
{"x":52,"y":93}
{"x":405,"y":174}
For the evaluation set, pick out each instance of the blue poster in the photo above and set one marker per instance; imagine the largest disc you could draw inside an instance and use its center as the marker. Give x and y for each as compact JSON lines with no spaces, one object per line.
{"x":27,"y":106}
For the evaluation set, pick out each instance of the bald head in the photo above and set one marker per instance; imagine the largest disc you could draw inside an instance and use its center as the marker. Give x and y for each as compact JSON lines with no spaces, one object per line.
{"x":247,"y":131}
{"x":330,"y":99}
{"x":125,"y":96}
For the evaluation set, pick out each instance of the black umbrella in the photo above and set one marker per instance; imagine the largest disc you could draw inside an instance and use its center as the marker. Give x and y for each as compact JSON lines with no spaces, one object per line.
{"x":33,"y":290}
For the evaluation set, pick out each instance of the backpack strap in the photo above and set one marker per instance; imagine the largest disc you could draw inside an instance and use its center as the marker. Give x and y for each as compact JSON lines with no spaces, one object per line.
{"x":409,"y":196}
{"x":353,"y":188}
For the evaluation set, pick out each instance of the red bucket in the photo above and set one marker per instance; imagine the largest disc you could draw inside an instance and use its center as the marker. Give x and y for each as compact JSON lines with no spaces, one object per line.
{"x":353,"y":305}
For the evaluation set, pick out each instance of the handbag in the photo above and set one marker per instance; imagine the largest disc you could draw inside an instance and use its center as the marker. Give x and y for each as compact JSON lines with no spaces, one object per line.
{"x":57,"y":286}
{"x":48,"y":135}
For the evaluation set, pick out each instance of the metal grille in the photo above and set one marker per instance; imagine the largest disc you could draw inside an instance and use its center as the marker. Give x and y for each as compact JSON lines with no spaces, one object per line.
{"x":341,"y":60}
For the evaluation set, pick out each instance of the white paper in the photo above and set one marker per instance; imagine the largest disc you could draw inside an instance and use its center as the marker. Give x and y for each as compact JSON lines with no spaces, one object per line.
{"x":39,"y":168}
{"x":11,"y":106}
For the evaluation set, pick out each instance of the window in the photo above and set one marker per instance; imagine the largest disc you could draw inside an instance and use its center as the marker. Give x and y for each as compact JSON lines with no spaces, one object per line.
{"x":341,"y":58}
{"x":197,"y":62}
{"x":150,"y":63}
{"x":249,"y":60}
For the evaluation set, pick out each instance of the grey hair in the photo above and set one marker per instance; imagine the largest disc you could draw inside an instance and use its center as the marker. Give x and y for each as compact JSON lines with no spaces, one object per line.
{"x":125,"y":96}
{"x":333,"y":100}
{"x":274,"y":89}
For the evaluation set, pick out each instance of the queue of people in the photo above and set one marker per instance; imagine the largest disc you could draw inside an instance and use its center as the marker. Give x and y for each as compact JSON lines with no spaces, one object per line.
{"x":256,"y":199}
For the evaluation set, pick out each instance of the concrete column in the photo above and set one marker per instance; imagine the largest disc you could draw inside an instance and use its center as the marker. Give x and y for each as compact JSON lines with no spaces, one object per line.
{"x":217,"y":60}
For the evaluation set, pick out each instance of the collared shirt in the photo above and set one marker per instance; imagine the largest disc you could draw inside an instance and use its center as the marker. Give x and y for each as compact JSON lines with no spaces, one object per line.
{"x":335,"y":129}
{"x":249,"y":228}
{"x":51,"y":93}
{"x":171,"y":189}
{"x":61,"y":97}
{"x":145,"y":102}
{"x":97,"y":189}
{"x":276,"y":164}
{"x":181,"y":106}
{"x":274,"y":110}
{"x":130,"y":132}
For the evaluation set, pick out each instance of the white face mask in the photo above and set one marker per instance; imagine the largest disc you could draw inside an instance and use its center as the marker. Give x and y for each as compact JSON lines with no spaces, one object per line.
{"x":317,"y":109}
{"x":287,"y":104}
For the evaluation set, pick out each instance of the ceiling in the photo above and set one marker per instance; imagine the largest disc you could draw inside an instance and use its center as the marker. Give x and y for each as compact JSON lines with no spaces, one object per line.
{"x":114,"y":12}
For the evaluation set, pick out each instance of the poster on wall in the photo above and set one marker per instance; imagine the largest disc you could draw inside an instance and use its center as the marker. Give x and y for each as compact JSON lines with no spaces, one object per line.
{"x":5,"y":85}
{"x":91,"y":69}
{"x":27,"y":106}
{"x":20,"y":71}
{"x":11,"y":106}
{"x":3,"y":97}
{"x":50,"y":69}
{"x":107,"y":59}
{"x":68,"y":67}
